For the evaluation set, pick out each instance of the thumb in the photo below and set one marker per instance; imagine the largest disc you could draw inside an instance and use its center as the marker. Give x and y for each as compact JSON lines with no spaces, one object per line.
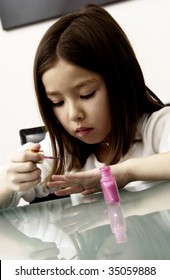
{"x":29,"y":146}
{"x":34,"y":147}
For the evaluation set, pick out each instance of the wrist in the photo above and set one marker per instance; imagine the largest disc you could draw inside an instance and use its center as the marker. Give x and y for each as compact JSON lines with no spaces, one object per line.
{"x":123,"y":173}
{"x":129,"y":170}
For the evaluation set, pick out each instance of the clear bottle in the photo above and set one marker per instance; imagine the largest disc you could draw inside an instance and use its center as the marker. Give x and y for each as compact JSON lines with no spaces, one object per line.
{"x":112,"y":198}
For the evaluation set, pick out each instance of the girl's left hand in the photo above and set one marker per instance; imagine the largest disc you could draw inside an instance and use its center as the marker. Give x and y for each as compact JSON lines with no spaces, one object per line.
{"x":85,"y":182}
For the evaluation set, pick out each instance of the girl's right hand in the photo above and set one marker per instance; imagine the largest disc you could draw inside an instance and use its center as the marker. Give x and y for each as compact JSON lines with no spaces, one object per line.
{"x":22,"y":170}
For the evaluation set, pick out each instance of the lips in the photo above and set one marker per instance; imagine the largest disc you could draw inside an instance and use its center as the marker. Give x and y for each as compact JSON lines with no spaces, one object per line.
{"x":83,"y":131}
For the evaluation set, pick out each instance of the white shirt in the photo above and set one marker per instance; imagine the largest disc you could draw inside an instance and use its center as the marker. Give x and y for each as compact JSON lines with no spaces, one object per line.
{"x":154,"y":133}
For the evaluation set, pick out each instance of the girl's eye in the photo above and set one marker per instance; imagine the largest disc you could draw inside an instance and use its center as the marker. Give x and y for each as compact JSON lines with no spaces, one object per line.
{"x":58,"y":104}
{"x":87,"y":96}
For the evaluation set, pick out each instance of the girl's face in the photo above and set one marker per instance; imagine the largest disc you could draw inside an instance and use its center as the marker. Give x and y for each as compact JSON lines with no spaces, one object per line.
{"x":80,"y":102}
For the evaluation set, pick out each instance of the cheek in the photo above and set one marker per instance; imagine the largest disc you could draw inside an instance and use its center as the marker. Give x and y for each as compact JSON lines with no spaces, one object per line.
{"x":61,"y":116}
{"x":104,"y":120}
{"x":102,"y":111}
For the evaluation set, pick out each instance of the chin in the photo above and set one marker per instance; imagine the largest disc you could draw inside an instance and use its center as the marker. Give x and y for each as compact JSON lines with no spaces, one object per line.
{"x":90,"y":142}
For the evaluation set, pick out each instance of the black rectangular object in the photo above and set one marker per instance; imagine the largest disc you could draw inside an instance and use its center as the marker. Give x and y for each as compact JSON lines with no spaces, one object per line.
{"x":17,"y":13}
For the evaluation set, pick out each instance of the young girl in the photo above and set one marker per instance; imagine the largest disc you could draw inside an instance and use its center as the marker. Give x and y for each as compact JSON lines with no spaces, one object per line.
{"x":97,"y":110}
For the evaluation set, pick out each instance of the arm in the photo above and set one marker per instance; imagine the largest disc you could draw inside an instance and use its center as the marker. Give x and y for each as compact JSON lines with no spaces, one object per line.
{"x":152,"y":168}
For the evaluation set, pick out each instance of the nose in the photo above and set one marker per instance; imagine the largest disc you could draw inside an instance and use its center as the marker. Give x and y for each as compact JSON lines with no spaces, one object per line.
{"x":75,"y":111}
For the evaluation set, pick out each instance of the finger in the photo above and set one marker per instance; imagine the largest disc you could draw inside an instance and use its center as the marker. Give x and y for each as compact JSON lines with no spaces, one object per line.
{"x":94,"y":173}
{"x":59,"y":184}
{"x":26,"y":156}
{"x":90,"y":191}
{"x":77,"y":176}
{"x":69,"y":190}
{"x":25,"y":177}
{"x":21,"y":167}
{"x":28,"y":146}
{"x":24,"y":186}
{"x":59,"y":178}
{"x":64,"y":178}
{"x":35,"y":146}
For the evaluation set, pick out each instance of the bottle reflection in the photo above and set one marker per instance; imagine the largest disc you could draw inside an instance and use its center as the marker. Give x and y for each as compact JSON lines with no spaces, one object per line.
{"x":117,"y":222}
{"x":115,"y":212}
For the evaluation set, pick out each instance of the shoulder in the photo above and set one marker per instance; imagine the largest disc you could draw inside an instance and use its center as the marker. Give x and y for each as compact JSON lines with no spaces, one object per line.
{"x":148,"y":122}
{"x":157,"y":120}
{"x":155,"y":130}
{"x":163,"y":113}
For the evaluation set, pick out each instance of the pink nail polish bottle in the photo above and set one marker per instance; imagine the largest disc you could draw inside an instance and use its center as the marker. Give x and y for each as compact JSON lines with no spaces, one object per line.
{"x":112,"y":198}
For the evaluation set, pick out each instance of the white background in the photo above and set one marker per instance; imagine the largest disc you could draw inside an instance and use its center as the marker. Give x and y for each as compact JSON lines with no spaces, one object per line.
{"x":147,"y":24}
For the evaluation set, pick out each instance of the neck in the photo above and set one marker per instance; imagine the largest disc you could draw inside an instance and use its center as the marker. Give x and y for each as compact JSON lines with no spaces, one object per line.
{"x":102,"y":151}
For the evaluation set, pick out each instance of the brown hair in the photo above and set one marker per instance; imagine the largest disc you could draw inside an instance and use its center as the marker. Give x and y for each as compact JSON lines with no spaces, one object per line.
{"x":92,"y":39}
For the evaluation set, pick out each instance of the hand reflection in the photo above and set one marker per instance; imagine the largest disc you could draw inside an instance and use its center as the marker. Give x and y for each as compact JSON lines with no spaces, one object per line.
{"x":31,"y":232}
{"x":16,"y":245}
{"x":92,"y":213}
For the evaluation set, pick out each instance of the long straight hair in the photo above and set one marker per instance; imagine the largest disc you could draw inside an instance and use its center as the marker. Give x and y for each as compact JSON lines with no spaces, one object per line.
{"x":92,"y":39}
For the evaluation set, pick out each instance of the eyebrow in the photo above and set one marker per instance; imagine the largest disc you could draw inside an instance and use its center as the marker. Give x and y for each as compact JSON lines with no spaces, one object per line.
{"x":86,"y":83}
{"x":52,"y":93}
{"x":78,"y":86}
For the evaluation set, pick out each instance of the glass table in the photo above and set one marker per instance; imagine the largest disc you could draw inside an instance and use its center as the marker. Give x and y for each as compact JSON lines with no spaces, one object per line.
{"x":78,"y":228}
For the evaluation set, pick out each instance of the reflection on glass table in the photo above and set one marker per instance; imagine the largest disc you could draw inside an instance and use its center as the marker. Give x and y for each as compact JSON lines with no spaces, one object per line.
{"x":65,"y":229}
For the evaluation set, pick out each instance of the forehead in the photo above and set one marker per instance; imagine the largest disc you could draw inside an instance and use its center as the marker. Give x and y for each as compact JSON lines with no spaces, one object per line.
{"x":66,"y":75}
